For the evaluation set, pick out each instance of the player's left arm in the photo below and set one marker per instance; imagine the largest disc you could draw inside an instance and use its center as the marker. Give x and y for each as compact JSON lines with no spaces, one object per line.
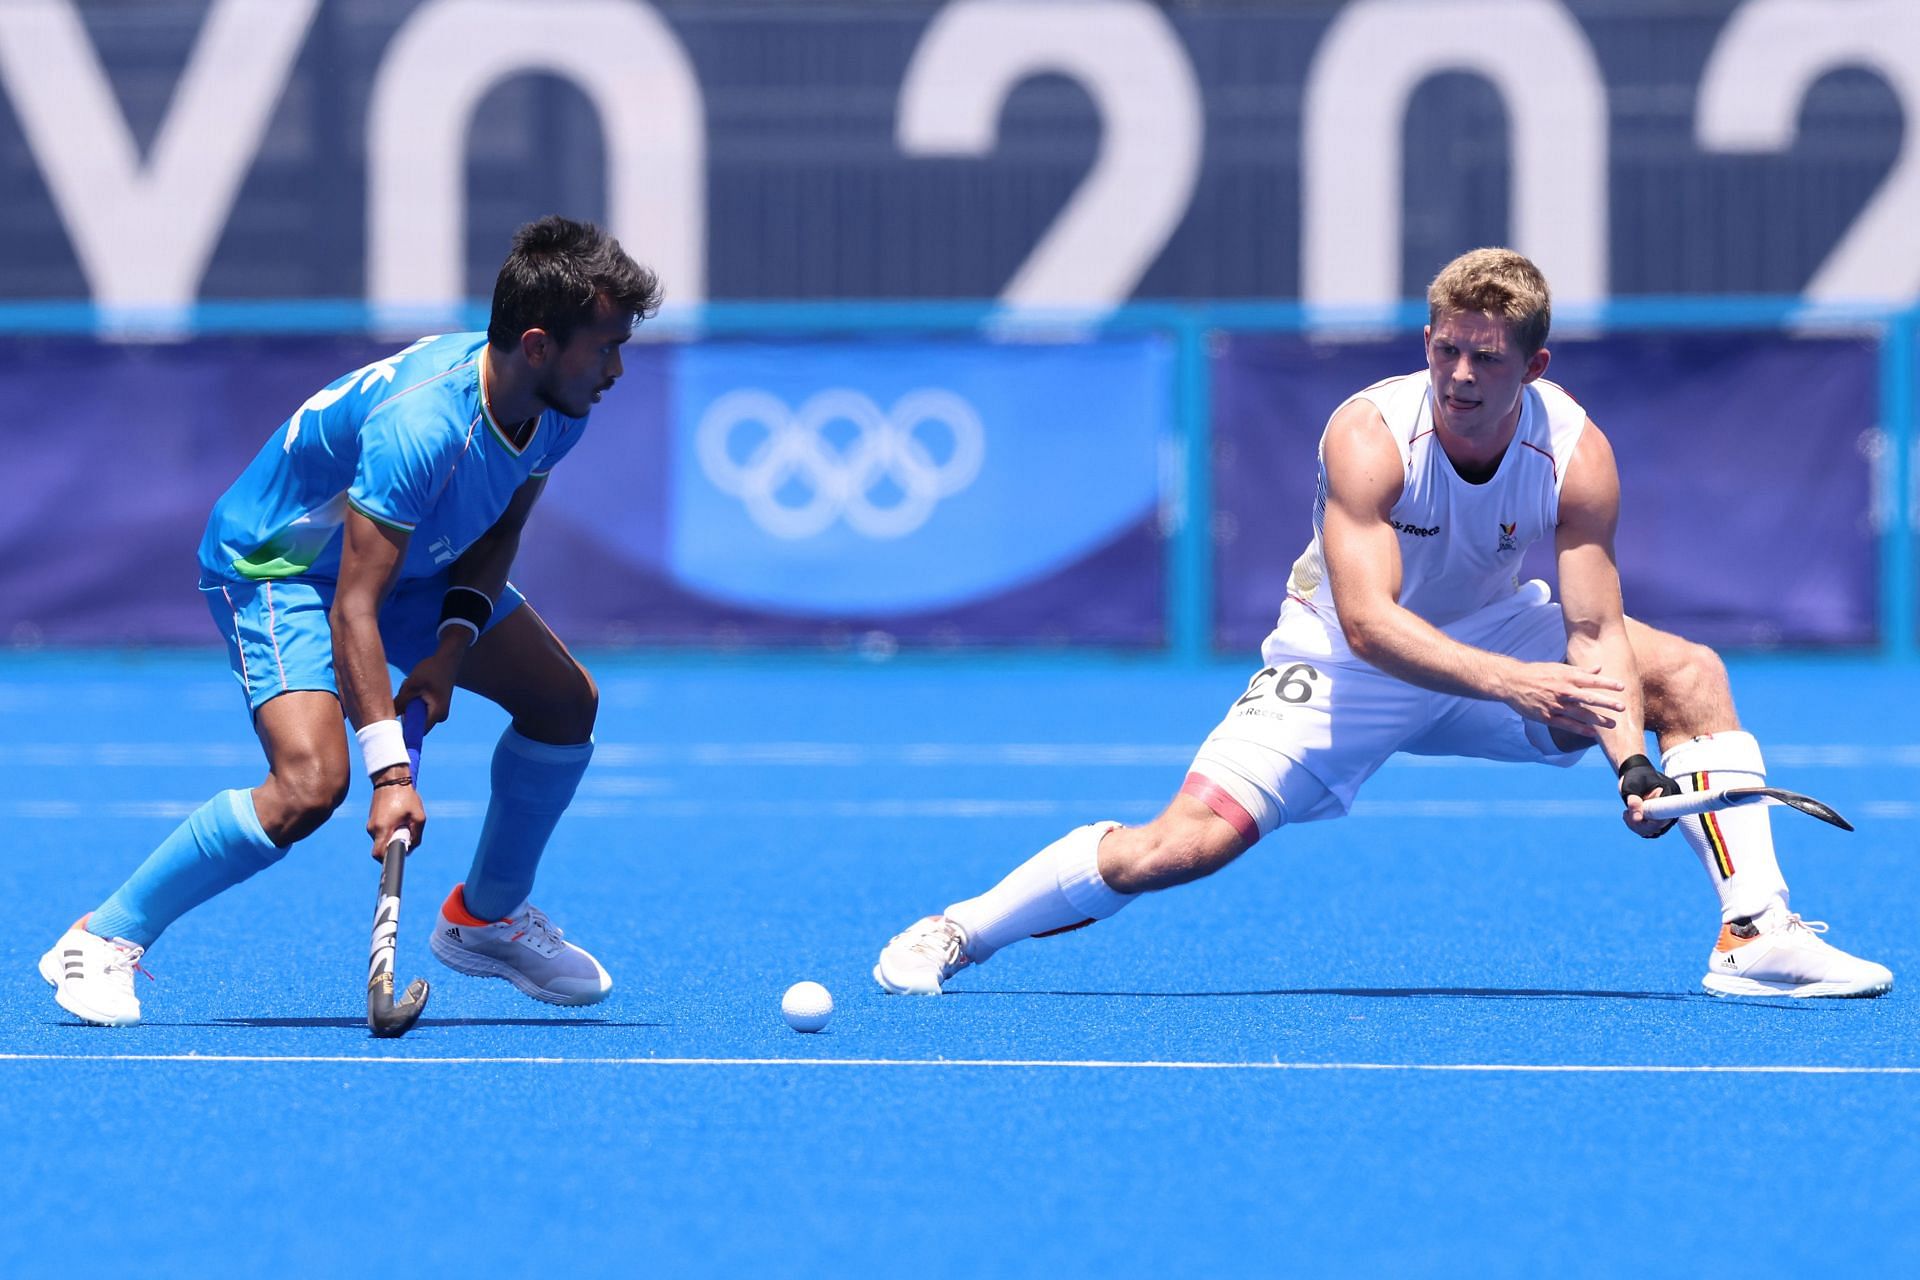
{"x":1590,"y":587}
{"x":1596,"y":619}
{"x":481,"y":569}
{"x":485,"y":564}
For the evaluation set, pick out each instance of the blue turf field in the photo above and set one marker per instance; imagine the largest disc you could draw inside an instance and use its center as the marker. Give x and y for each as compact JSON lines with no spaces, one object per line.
{"x":1458,"y":1033}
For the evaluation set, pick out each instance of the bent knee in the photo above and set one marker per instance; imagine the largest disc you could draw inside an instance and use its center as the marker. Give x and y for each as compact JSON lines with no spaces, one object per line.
{"x":570,"y":716}
{"x":1680,"y":673}
{"x":299,"y":796}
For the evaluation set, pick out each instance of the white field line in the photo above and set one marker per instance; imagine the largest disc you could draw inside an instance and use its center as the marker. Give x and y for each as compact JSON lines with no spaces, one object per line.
{"x":1050,"y":1064}
{"x":938,"y":755}
{"x":942,"y":808}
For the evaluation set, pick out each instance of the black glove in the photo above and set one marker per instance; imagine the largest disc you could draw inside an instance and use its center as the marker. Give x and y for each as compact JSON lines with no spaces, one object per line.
{"x":1638,"y":777}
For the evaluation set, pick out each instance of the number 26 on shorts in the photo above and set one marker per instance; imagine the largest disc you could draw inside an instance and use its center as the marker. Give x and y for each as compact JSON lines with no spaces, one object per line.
{"x":1293,"y":684}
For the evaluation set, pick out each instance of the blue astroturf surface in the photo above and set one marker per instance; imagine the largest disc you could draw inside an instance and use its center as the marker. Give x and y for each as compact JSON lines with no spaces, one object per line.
{"x":1458,"y":1033}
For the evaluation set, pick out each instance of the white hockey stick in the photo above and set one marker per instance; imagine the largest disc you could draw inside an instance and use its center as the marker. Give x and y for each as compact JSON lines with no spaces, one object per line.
{"x":1734,"y":797}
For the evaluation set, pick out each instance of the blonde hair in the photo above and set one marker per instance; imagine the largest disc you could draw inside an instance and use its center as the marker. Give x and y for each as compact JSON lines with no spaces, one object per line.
{"x":1498,"y":282}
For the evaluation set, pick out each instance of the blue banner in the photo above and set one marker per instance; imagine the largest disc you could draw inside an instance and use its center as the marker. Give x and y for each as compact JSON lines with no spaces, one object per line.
{"x":901,"y":477}
{"x":958,"y":491}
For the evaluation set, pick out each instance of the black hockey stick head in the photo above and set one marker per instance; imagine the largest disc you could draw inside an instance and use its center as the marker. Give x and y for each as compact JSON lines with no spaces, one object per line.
{"x":387,"y":1017}
{"x":1793,"y":800}
{"x":1814,"y":808}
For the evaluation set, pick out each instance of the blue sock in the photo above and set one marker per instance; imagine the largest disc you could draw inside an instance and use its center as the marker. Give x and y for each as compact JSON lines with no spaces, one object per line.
{"x":533,"y":783}
{"x":216,"y":848}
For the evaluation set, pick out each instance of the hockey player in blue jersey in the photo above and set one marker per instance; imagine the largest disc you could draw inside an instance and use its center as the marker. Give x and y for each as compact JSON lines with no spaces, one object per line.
{"x":377,"y":526}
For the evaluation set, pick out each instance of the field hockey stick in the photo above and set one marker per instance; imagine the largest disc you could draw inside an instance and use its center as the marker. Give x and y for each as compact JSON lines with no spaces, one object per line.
{"x":387,"y":1017}
{"x":1736,"y":797}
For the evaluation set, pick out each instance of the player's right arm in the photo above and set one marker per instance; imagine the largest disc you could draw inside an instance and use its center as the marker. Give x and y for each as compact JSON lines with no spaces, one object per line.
{"x":370,"y":557}
{"x":1365,"y":477}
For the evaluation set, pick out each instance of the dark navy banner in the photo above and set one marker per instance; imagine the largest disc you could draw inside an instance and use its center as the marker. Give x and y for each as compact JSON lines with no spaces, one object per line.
{"x":1745,"y":470}
{"x":726,"y":493}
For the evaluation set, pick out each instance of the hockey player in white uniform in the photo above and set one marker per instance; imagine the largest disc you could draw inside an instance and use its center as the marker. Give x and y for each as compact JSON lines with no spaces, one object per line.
{"x":1406,"y":629}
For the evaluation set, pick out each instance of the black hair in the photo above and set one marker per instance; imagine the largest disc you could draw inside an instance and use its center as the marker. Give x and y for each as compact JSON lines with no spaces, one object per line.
{"x":556,"y":270}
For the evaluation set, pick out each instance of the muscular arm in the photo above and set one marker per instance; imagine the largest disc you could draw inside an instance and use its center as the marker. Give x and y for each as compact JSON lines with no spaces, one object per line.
{"x":369,"y":562}
{"x":370,"y":559}
{"x":1365,"y":478}
{"x":1590,"y":586}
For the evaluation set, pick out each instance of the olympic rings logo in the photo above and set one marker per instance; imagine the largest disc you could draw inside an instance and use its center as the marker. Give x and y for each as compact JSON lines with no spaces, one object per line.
{"x":795,"y":480}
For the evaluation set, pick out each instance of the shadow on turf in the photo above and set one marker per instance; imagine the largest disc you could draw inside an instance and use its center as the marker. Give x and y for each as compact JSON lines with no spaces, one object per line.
{"x":1404,"y":993}
{"x":424,"y":1023}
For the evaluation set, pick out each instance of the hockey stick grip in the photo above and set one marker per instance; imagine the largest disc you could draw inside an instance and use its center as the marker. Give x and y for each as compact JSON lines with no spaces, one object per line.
{"x":1689,"y":803}
{"x":413,"y":730}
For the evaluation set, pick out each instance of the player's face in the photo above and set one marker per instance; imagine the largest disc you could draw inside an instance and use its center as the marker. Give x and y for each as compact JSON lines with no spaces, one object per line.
{"x":1478,"y":370}
{"x":586,"y":367}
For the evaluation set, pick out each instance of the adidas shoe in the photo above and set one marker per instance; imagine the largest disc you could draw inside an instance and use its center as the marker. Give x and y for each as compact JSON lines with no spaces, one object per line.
{"x":922,"y":958}
{"x":92,"y":977}
{"x":526,"y":949}
{"x":1782,"y":955}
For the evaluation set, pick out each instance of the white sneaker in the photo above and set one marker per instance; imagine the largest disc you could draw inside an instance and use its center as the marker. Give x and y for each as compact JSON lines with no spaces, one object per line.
{"x":526,"y":949}
{"x":1789,"y":958}
{"x":917,"y":961}
{"x":92,"y":977}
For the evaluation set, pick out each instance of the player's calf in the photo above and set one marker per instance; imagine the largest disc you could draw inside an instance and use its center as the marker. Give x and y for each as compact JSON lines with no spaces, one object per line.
{"x":92,"y":977}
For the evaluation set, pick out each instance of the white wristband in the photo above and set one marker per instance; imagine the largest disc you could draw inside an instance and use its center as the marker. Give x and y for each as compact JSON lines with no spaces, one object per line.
{"x":382,"y":745}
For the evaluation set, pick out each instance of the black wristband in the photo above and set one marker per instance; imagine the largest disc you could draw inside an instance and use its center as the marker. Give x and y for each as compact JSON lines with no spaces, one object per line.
{"x":394,"y":782}
{"x":1633,"y":762}
{"x":1638,"y":777}
{"x":467,"y":607}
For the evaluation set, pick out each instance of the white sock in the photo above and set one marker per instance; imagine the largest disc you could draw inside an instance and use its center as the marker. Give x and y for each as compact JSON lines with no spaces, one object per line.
{"x":1057,"y":889}
{"x":1734,"y":845}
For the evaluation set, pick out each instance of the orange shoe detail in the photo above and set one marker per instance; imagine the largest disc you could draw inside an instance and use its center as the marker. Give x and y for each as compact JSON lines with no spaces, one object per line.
{"x":456,"y":910}
{"x":1730,"y":941}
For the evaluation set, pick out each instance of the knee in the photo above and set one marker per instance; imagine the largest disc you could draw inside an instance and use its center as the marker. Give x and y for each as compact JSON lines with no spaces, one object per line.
{"x":1164,"y":853}
{"x":577,"y":707}
{"x":1681,"y":675}
{"x":561,"y":709}
{"x":302,"y":793}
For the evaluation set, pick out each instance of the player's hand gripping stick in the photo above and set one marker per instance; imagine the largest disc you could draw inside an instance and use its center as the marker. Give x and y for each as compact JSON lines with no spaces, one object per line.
{"x":387,"y":1017}
{"x":1637,"y":778}
{"x":1737,"y":797}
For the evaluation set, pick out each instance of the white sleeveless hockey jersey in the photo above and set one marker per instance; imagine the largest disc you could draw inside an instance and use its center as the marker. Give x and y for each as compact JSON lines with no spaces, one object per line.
{"x":1460,"y":543}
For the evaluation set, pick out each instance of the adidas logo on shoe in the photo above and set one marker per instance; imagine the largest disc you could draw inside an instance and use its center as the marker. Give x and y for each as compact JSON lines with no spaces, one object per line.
{"x":1790,"y":958}
{"x":525,"y":948}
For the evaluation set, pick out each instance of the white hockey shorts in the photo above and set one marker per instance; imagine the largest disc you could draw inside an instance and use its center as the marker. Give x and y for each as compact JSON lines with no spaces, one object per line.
{"x":1316,"y":722}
